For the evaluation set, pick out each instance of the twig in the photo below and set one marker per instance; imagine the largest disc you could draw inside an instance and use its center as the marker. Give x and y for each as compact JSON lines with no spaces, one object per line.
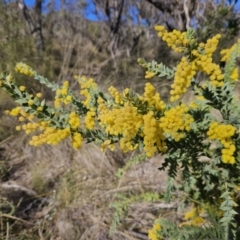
{"x":15,"y":218}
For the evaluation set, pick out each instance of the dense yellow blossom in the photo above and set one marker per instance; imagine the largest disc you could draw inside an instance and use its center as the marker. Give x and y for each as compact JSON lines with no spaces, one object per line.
{"x":19,"y":111}
{"x":77,"y":140}
{"x":205,"y":64}
{"x":115,"y":94}
{"x":74,"y":120}
{"x":204,"y":61}
{"x":193,"y":218}
{"x":201,"y":61}
{"x":223,"y":133}
{"x":24,"y":69}
{"x":50,"y":136}
{"x":153,"y":136}
{"x":119,"y":121}
{"x":14,"y":112}
{"x":152,"y":97}
{"x":90,"y":119}
{"x":154,"y":233}
{"x":62,"y":95}
{"x":175,"y":121}
{"x":86,"y":86}
{"x":102,"y":108}
{"x":226,"y":53}
{"x":185,"y":71}
{"x":30,"y":127}
{"x":175,"y":39}
{"x":211,"y":45}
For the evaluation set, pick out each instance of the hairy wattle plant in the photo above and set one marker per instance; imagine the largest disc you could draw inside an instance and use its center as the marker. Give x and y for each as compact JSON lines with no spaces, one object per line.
{"x":202,"y":148}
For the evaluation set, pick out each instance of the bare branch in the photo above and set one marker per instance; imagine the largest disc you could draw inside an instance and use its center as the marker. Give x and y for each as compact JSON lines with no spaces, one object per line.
{"x":35,"y":28}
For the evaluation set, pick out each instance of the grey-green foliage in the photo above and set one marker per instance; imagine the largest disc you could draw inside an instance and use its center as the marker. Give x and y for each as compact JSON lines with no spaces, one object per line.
{"x":133,"y":161}
{"x":231,"y":63}
{"x":121,"y":205}
{"x":228,"y":221}
{"x":159,"y":69}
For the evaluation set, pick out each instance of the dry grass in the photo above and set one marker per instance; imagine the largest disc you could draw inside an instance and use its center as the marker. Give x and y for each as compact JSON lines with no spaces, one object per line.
{"x":74,"y":190}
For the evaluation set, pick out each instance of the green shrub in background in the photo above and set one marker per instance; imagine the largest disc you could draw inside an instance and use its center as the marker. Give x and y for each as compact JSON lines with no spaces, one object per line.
{"x":200,"y":140}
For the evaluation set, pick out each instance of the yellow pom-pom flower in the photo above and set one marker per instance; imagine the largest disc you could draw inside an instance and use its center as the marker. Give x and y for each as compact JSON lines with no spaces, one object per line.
{"x":176,"y":121}
{"x":223,"y":133}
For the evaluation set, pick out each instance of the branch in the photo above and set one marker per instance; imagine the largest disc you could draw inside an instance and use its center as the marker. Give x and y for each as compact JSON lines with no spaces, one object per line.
{"x":35,"y":29}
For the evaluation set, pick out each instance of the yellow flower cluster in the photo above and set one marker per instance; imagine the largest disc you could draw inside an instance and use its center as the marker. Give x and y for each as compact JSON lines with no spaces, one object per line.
{"x":22,"y":88}
{"x":50,"y":136}
{"x":223,"y":133}
{"x":90,"y":119}
{"x":30,"y":127}
{"x":152,"y":97}
{"x":226,"y":53}
{"x":205,"y":64}
{"x":14,"y":112}
{"x":153,"y":136}
{"x":234,"y":74}
{"x":77,"y":140}
{"x":86,"y":85}
{"x":154,"y":233}
{"x":149,"y":74}
{"x":185,"y":71}
{"x":24,"y":69}
{"x":102,"y":108}
{"x":119,"y":121}
{"x":211,"y":45}
{"x":74,"y":120}
{"x":175,"y":121}
{"x":62,"y":95}
{"x":201,"y":61}
{"x":39,"y":95}
{"x":19,"y":111}
{"x":116,"y":95}
{"x":33,"y":126}
{"x":107,"y":144}
{"x":175,"y":39}
{"x":39,"y":109}
{"x":30,"y":102}
{"x":192,"y":218}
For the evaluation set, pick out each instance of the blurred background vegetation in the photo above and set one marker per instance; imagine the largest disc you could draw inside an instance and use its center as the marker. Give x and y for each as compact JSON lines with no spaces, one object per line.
{"x":60,"y":193}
